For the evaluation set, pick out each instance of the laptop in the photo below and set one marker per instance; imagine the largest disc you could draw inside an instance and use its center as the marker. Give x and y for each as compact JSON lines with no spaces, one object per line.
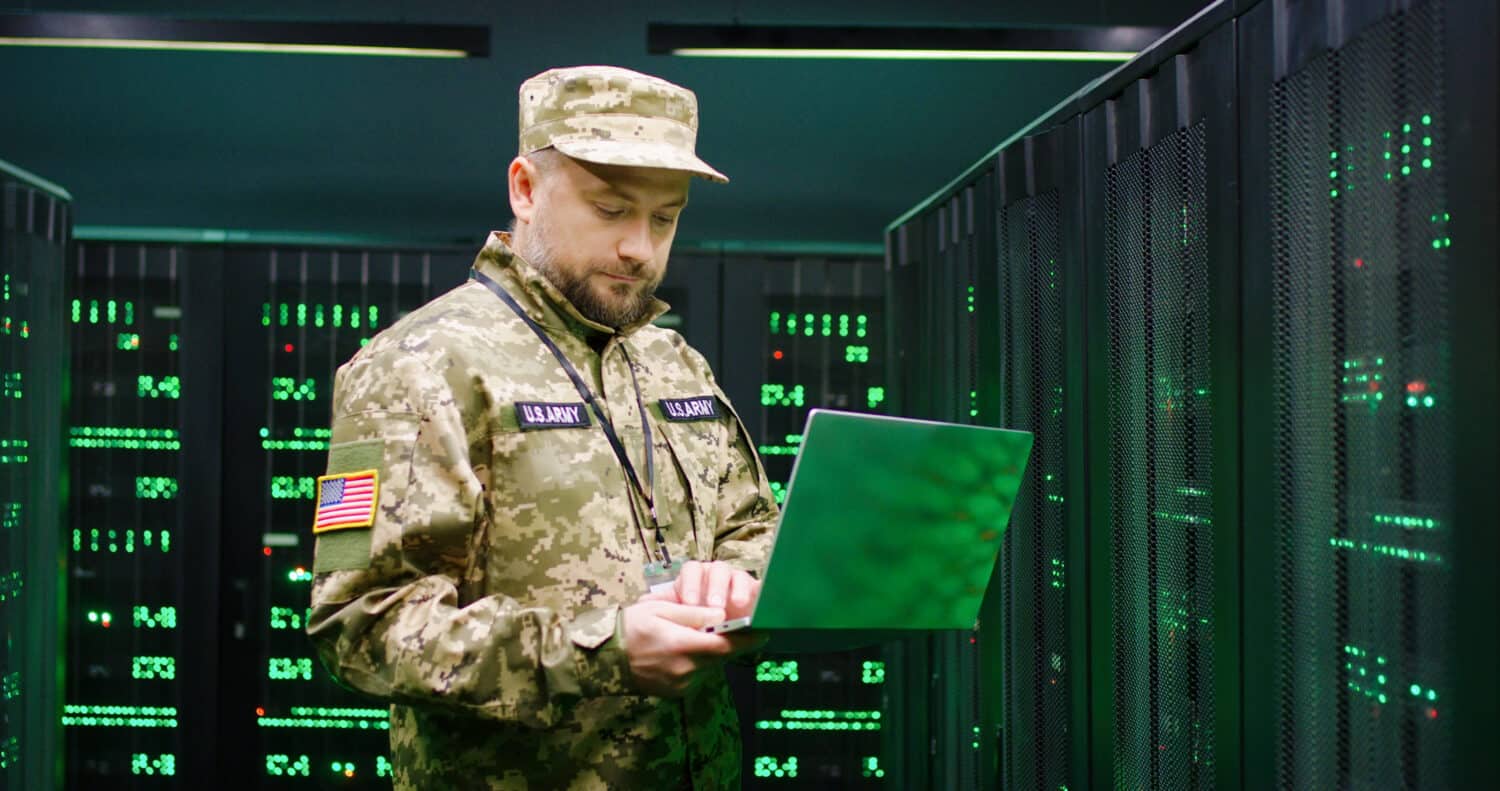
{"x":891,"y":526}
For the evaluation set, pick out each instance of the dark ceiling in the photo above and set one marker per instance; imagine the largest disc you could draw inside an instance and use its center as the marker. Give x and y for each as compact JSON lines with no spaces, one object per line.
{"x":818,"y":151}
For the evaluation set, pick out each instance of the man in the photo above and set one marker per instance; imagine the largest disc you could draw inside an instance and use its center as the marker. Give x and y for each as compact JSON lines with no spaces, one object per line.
{"x":517,"y":464}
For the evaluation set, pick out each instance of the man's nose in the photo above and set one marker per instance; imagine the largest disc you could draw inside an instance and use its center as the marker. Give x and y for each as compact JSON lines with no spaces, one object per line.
{"x":635,"y":246}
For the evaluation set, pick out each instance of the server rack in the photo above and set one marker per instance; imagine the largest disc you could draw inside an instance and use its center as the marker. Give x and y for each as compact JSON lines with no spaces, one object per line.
{"x":202,"y":373}
{"x":1272,"y":272}
{"x":36,"y":226}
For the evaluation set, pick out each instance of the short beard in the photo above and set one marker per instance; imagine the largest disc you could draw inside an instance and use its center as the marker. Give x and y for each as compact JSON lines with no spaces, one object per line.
{"x":539,"y":254}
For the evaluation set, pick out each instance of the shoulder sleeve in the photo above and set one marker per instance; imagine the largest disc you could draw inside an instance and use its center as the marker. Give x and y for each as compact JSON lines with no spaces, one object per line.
{"x":395,"y":610}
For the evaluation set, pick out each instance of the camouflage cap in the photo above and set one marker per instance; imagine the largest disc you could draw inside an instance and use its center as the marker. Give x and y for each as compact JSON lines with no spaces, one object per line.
{"x":613,"y":116}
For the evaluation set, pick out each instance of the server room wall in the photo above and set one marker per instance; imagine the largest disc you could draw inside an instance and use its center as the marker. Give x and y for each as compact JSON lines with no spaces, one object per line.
{"x":199,"y":424}
{"x":1235,"y":290}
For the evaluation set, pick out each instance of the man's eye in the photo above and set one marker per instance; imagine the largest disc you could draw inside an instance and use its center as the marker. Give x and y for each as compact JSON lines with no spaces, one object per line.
{"x":605,"y":211}
{"x":664,"y":220}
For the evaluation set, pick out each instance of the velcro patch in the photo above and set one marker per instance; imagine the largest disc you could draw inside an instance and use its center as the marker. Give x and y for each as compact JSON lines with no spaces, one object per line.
{"x":347,"y":500}
{"x":687,"y":410}
{"x":535,"y":414}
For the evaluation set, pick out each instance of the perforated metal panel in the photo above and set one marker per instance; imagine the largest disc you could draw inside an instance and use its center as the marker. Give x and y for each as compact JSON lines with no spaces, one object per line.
{"x":1036,"y":545}
{"x":1160,"y":444}
{"x":1363,"y":502}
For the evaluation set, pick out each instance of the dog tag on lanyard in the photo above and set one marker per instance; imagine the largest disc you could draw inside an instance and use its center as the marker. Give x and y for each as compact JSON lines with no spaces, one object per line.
{"x":660,"y":576}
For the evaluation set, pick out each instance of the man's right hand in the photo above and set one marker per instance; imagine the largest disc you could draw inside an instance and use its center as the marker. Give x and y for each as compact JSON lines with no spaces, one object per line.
{"x":667,"y":649}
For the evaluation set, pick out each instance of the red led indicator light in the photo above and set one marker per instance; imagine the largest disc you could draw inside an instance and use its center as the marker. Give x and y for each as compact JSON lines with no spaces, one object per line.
{"x":1359,"y":263}
{"x":266,"y":551}
{"x":260,"y":712}
{"x":1432,"y":714}
{"x":1418,"y":386}
{"x":777,"y":354}
{"x":288,"y":348}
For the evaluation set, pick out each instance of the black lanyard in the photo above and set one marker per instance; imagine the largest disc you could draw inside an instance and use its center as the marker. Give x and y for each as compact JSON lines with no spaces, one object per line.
{"x":647,"y":492}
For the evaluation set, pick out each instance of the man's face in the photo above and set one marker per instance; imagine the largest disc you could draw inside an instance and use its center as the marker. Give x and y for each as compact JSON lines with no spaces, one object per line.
{"x":602,"y":234}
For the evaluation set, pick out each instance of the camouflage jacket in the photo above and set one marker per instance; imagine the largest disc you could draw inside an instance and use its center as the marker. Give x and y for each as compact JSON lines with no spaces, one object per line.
{"x":482,"y":597}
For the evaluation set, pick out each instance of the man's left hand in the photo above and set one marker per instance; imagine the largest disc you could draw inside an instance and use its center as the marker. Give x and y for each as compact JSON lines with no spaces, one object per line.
{"x":715,"y":584}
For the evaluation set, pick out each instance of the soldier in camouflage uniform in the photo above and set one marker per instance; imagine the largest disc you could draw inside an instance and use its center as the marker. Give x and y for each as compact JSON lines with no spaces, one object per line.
{"x":480,"y":545}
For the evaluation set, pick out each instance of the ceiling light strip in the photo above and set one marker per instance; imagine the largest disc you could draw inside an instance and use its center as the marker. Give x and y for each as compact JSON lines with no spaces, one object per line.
{"x":134,"y":32}
{"x":906,"y":54}
{"x":231,"y":46}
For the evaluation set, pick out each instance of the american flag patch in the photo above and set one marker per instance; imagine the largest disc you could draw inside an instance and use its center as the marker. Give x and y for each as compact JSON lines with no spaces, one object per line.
{"x":346,"y":500}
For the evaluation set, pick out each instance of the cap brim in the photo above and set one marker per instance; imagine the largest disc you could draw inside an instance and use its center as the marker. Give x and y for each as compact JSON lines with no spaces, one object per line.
{"x":630,"y":153}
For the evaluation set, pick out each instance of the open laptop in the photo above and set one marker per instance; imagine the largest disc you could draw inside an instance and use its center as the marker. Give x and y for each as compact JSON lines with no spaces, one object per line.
{"x":890,"y":525}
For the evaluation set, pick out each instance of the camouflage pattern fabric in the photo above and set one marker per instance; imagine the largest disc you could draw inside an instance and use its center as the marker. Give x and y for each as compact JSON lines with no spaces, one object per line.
{"x":613,"y":116}
{"x":484,"y":603}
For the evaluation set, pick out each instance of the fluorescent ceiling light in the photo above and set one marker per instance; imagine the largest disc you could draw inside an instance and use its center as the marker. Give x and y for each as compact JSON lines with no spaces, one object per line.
{"x":117,"y":31}
{"x":1110,"y":44}
{"x":906,"y":54}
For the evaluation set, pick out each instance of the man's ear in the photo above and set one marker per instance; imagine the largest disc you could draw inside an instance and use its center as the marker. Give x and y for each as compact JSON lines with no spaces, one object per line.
{"x":524,"y":182}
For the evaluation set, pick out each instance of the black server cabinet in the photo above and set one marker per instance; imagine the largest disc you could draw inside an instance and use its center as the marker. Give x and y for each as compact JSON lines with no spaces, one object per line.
{"x":140,"y":535}
{"x":36,"y":226}
{"x":1042,"y":581}
{"x":800,"y":332}
{"x":1160,"y":160}
{"x":941,"y":280}
{"x":1369,"y":264}
{"x":291,"y":316}
{"x":1279,"y":337}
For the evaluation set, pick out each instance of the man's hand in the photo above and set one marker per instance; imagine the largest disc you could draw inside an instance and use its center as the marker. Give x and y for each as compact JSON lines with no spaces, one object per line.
{"x":666,"y":648}
{"x":715,"y":584}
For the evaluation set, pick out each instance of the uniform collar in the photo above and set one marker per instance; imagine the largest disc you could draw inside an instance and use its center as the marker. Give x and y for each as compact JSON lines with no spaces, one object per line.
{"x":539,"y":297}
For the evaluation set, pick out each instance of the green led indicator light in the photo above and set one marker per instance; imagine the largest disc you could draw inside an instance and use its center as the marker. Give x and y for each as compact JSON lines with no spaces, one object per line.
{"x":285,"y":766}
{"x":125,"y":438}
{"x":155,"y":488}
{"x":75,"y":715}
{"x":152,"y":387}
{"x":153,"y":667}
{"x":779,"y":395}
{"x":1426,"y":121}
{"x":1386,"y":550}
{"x":776,"y":671}
{"x":281,"y":668}
{"x":289,"y":618}
{"x":143,"y":617}
{"x":286,"y":388}
{"x":874,"y":396}
{"x":292,"y":487}
{"x":144,"y":764}
{"x":770,"y":766}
